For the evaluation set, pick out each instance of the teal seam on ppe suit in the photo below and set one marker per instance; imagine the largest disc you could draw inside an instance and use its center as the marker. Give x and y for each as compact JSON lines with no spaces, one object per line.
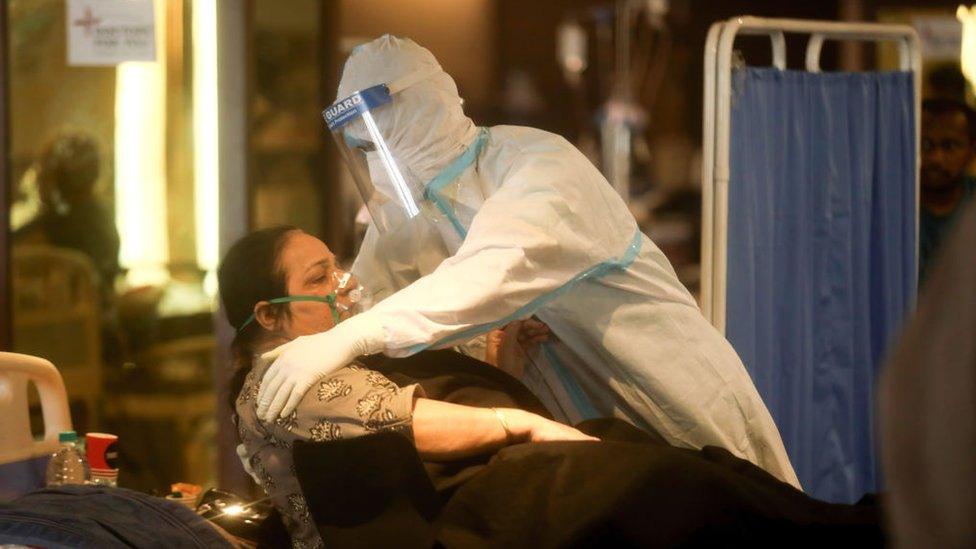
{"x":432,"y":191}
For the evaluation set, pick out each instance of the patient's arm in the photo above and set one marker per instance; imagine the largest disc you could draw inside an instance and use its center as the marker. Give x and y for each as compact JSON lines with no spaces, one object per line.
{"x":443,"y":431}
{"x":356,"y":401}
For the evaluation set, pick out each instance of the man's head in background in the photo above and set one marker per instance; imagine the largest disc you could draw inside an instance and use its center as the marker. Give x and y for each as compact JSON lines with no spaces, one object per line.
{"x":948,"y":143}
{"x":68,"y":169}
{"x":946,"y":81}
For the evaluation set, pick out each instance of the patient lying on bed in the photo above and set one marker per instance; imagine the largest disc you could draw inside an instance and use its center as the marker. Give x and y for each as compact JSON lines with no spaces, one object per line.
{"x":506,"y":473}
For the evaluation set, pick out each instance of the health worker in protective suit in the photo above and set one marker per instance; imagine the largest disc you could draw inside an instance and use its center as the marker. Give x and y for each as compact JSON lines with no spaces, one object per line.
{"x":476,"y":227}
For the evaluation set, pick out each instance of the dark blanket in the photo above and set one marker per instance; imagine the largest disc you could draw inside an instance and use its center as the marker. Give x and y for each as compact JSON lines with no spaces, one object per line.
{"x":630,"y":489}
{"x":98,"y":516}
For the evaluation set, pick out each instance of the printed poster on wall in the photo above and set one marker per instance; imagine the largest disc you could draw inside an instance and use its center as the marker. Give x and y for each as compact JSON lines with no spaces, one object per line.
{"x":108,"y":32}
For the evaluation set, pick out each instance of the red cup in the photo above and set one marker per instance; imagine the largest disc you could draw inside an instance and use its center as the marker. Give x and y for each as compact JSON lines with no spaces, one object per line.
{"x":100,"y":456}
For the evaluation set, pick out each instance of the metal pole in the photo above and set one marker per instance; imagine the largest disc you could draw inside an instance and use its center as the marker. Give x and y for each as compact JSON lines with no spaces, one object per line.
{"x":335,"y":227}
{"x":6,"y":307}
{"x":708,"y":172}
{"x":232,"y":95}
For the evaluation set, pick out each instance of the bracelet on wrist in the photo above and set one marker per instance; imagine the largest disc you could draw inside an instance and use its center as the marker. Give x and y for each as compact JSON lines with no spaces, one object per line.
{"x":509,"y":437}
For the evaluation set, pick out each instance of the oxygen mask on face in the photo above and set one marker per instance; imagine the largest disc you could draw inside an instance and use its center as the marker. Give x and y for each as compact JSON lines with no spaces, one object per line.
{"x":354,"y":300}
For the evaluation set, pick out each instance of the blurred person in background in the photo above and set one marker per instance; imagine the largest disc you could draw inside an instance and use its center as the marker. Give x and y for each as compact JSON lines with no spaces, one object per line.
{"x":946,"y":82}
{"x":73,"y":216}
{"x":927,"y":405}
{"x":948,"y":148}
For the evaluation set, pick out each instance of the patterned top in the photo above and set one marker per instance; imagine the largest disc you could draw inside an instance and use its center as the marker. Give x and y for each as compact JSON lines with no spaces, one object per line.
{"x":351,"y":402}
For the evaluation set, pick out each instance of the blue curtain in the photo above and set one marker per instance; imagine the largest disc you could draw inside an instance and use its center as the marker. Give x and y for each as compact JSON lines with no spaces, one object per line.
{"x":821,"y":256}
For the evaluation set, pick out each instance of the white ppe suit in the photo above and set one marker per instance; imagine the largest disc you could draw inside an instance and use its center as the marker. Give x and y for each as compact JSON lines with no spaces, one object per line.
{"x":546,"y":235}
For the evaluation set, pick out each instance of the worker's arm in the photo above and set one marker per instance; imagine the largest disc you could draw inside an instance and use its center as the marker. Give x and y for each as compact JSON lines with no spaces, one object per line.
{"x":548,"y":224}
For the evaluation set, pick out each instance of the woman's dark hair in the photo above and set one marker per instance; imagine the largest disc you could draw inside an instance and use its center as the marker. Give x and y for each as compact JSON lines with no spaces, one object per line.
{"x":250,"y":272}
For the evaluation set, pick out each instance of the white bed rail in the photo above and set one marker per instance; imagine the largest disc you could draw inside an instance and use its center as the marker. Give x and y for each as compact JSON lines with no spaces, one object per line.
{"x":717,"y":121}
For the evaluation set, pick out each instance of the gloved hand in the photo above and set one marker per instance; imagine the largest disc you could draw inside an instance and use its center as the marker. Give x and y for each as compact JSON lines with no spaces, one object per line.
{"x":303,"y":361}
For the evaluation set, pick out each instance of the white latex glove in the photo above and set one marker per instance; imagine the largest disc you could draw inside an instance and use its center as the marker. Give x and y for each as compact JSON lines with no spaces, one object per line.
{"x":301,"y":362}
{"x":246,"y":463}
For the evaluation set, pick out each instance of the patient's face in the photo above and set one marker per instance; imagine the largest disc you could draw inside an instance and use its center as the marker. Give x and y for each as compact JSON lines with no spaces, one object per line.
{"x":310,"y":269}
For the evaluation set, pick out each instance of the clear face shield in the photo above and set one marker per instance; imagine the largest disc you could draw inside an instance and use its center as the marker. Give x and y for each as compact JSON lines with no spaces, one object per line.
{"x":392,"y":195}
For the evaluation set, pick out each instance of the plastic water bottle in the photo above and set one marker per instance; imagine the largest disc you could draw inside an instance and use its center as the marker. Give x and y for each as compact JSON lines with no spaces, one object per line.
{"x":68,"y":465}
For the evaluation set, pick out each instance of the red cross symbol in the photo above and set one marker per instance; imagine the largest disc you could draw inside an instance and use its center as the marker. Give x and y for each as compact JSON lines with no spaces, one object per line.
{"x":88,"y":22}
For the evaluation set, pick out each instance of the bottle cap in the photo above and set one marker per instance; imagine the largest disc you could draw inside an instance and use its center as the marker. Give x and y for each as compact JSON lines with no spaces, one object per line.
{"x":68,"y":436}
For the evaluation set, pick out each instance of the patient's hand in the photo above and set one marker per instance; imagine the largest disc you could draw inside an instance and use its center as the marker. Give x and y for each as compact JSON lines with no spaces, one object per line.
{"x":508,"y":348}
{"x":539,"y":429}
